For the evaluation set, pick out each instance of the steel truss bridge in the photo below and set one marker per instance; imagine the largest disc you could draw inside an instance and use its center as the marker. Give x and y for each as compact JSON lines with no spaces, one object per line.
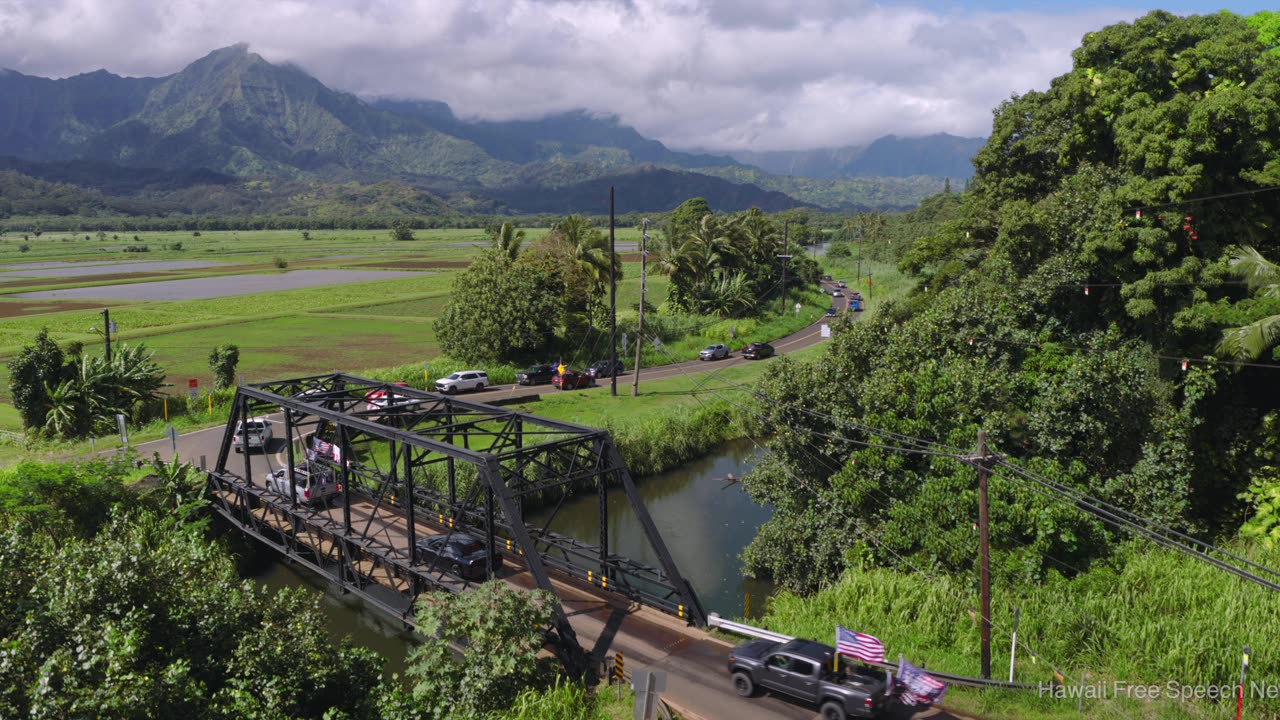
{"x":412,"y":463}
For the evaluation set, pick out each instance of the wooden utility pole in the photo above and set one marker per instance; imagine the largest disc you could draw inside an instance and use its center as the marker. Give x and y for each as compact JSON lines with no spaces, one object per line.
{"x":613,"y":305}
{"x":106,"y":333}
{"x":984,"y":560}
{"x":785,"y":260}
{"x":644,"y":267}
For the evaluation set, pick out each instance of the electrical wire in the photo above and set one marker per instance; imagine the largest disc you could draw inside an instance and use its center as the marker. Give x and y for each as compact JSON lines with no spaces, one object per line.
{"x":875,"y":539}
{"x":1203,"y":199}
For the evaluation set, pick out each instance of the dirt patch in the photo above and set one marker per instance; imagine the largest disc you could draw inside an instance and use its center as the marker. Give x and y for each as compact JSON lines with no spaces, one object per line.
{"x":629,"y":257}
{"x":19,"y":308}
{"x":423,"y":264}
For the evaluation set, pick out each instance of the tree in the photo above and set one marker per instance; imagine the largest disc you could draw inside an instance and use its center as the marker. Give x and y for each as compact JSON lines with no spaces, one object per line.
{"x":36,"y":368}
{"x":87,"y":401}
{"x":686,"y":218}
{"x":402,"y":229}
{"x":507,"y":239}
{"x":482,"y":681}
{"x":223,"y":361}
{"x":589,"y":251}
{"x":500,"y":311}
{"x":1263,"y":276}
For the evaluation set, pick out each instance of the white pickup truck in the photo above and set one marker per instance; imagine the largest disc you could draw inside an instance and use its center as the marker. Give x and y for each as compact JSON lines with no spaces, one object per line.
{"x":256,"y":433}
{"x":313,"y":487}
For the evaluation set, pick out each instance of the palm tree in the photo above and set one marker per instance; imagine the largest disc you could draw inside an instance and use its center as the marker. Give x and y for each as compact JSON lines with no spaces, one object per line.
{"x":590,"y":250}
{"x":1263,"y":277}
{"x":507,"y":239}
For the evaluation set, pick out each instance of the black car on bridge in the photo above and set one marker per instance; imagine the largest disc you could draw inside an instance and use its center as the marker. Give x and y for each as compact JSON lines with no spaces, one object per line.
{"x":458,"y":553}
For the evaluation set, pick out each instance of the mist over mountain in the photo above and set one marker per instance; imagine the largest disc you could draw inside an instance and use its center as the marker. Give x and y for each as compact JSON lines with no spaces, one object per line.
{"x":232,"y":114}
{"x":940,"y":155}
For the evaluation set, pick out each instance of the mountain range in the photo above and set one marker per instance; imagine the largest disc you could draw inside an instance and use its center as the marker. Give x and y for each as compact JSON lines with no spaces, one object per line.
{"x":233,"y":118}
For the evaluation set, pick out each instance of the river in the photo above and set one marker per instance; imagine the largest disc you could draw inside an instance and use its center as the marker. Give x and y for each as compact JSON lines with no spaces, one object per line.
{"x":705,"y":520}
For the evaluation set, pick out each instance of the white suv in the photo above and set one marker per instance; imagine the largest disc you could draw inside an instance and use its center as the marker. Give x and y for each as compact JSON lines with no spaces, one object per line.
{"x":463,"y":380}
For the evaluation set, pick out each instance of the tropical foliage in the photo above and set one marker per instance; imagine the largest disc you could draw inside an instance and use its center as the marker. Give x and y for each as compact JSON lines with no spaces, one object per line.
{"x":502,"y":310}
{"x":726,"y":265}
{"x":88,"y":400}
{"x":1071,"y":303}
{"x":1263,"y":276}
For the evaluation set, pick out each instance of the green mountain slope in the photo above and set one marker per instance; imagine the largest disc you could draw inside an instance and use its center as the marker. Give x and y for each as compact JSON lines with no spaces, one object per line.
{"x":235,"y":115}
{"x":43,"y":119}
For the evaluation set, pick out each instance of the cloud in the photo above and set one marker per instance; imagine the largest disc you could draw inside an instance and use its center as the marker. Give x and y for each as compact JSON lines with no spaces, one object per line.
{"x":713,"y":74}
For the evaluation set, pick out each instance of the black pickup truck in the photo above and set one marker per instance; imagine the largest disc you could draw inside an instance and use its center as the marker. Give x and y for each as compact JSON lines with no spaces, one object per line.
{"x":803,"y":670}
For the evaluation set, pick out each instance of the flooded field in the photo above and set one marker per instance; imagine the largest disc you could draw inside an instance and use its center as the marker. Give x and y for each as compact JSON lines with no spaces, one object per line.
{"x":222,"y":286}
{"x":80,"y":269}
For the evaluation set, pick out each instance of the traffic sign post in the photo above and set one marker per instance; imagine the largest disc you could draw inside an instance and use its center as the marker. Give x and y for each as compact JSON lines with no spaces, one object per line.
{"x":172,"y":433}
{"x":123,"y":426}
{"x":193,"y":388}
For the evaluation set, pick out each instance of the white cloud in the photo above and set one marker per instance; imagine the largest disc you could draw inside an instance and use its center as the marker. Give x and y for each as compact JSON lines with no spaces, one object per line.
{"x":714,"y":74}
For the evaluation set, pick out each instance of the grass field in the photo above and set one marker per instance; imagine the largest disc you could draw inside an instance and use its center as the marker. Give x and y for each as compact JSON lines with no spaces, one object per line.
{"x":356,"y":327}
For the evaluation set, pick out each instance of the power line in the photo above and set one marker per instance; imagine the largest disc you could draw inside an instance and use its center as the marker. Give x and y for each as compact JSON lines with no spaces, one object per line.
{"x":861,"y":529}
{"x":1175,"y":358}
{"x":1203,"y":199}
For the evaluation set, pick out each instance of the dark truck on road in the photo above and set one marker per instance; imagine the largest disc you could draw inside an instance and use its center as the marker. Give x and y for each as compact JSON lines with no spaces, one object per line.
{"x":802,"y":669}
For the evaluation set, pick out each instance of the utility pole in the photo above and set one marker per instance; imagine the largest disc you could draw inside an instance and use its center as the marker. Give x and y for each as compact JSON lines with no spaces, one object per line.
{"x":785,"y":260}
{"x":984,"y":553}
{"x":644,"y":268}
{"x":613,"y":305}
{"x":106,"y":331}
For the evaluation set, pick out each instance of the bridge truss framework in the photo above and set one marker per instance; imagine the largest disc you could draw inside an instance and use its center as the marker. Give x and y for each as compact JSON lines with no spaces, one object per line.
{"x":412,"y":459}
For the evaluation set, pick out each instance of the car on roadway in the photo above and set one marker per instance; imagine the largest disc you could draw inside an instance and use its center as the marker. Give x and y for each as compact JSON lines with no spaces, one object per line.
{"x":758,"y":351}
{"x":836,"y":293}
{"x":714,"y":352}
{"x":841,"y":285}
{"x":458,"y":553}
{"x":802,"y":669}
{"x":605,"y":368}
{"x":380,"y":398}
{"x":462,"y":381}
{"x":314,"y":485}
{"x":831,"y":312}
{"x":256,"y":433}
{"x":572,"y":380}
{"x":536,"y":375}
{"x":827,"y":278}
{"x":855,"y":295}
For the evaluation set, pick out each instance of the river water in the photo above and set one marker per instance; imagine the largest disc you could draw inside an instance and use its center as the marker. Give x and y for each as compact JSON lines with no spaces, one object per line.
{"x":705,"y":520}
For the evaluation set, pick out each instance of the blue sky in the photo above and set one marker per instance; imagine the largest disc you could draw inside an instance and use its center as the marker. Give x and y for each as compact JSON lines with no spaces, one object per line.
{"x":718,"y":75}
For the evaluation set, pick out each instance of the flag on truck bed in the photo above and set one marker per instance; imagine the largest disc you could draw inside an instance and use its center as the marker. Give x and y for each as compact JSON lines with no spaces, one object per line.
{"x":859,"y":645}
{"x":919,"y":687}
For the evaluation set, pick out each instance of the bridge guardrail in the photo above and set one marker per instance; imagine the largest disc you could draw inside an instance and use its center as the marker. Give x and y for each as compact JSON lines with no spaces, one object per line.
{"x":715,"y":621}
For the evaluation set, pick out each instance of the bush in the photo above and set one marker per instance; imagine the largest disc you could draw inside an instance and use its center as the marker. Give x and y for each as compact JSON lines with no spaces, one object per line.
{"x":280,"y":262}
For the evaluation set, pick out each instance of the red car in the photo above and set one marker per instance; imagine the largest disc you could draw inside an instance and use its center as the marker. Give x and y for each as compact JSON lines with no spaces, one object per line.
{"x":572,"y":380}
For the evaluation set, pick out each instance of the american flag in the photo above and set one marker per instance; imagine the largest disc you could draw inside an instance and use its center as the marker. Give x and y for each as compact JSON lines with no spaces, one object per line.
{"x":919,"y":687}
{"x":859,"y":645}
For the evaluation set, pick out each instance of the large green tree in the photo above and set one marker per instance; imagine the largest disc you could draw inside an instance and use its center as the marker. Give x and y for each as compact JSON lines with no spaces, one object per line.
{"x":32,"y":372}
{"x":501,"y":632}
{"x":501,"y":311}
{"x":1057,"y":299}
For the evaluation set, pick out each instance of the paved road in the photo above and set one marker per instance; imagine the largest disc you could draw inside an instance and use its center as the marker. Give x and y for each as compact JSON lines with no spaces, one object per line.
{"x":205,"y":442}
